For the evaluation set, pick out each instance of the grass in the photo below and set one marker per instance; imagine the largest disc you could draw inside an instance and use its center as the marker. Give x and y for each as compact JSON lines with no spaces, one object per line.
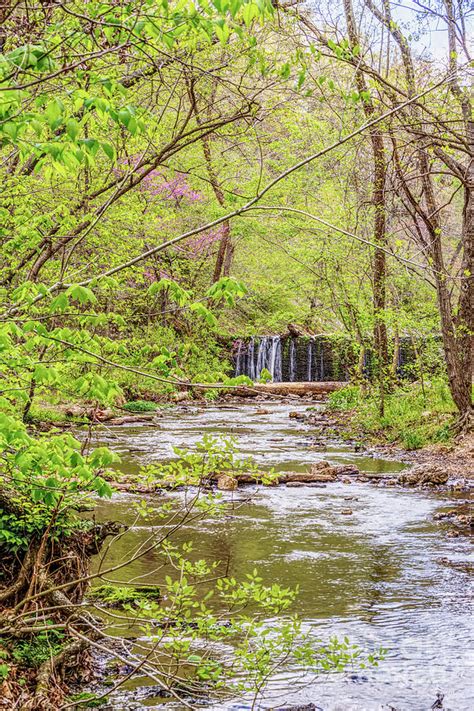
{"x":47,"y":414}
{"x":414,"y":415}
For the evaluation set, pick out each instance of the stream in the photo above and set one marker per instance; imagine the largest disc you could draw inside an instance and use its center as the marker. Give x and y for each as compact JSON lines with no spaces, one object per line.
{"x":375,"y":576}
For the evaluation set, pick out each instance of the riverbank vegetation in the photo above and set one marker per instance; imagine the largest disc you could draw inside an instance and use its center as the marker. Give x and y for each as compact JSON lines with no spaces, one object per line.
{"x":415,"y":414}
{"x":176,"y":175}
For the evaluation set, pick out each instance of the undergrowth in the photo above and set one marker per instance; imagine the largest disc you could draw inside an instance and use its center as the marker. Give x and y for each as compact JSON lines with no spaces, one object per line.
{"x":32,"y":653}
{"x":415,"y":414}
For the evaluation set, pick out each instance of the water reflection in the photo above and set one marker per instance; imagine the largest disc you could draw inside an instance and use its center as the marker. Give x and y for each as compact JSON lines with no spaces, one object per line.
{"x":373,"y":575}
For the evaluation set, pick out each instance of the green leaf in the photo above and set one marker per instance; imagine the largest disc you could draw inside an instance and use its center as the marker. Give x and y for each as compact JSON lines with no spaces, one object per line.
{"x":108,"y":150}
{"x":72,"y":129}
{"x":81,"y":294}
{"x":59,"y":304}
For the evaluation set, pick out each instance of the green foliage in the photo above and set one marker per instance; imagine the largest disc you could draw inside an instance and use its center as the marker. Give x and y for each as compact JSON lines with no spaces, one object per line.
{"x":345,"y":399}
{"x":139,"y":406}
{"x":127,"y":595}
{"x":213,"y":455}
{"x":47,"y":477}
{"x":44,"y":645}
{"x":415,"y":414}
{"x":265,"y":376}
{"x":411,"y":440}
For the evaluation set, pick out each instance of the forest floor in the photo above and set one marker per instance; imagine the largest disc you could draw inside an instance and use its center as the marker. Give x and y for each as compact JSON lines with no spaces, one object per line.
{"x":457,"y":458}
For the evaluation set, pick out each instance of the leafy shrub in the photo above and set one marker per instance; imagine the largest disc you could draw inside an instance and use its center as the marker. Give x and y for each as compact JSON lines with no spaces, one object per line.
{"x":412,"y":439}
{"x":265,"y":376}
{"x":443,"y":434}
{"x":139,"y":406}
{"x":415,"y":414}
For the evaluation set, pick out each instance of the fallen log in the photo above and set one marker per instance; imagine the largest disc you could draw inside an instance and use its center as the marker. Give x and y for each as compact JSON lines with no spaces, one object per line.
{"x":300,"y":388}
{"x":127,"y":419}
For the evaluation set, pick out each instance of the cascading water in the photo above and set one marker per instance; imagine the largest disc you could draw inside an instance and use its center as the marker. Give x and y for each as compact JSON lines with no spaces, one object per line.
{"x":275,"y":360}
{"x":288,"y":358}
{"x":258,"y":354}
{"x":251,"y":365}
{"x":238,"y":359}
{"x":307,"y":358}
{"x":292,"y":361}
{"x":310,"y":356}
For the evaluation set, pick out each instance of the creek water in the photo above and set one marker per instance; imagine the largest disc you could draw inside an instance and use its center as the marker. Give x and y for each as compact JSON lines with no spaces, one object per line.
{"x":378,"y":576}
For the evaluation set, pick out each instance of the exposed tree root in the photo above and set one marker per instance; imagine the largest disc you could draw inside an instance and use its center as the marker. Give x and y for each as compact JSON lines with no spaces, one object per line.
{"x":51,"y":673}
{"x":41,"y":593}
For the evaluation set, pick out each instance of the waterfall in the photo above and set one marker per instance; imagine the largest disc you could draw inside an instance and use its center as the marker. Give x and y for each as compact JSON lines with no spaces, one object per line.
{"x":278,"y":362}
{"x":288,"y":358}
{"x":262,"y":356}
{"x":250,"y":359}
{"x":310,"y":356}
{"x":292,"y":360}
{"x":275,"y":359}
{"x":307,"y":358}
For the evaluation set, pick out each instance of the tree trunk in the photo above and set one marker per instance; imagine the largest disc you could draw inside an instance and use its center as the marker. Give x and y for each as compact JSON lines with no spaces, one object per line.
{"x":224,"y":254}
{"x":461,"y":385}
{"x":378,"y":201}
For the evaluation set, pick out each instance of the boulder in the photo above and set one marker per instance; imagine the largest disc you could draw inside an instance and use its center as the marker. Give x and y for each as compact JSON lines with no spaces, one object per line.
{"x":422,"y":474}
{"x":296,"y":415}
{"x":346,"y":470}
{"x":227,"y":483}
{"x":182,"y":396}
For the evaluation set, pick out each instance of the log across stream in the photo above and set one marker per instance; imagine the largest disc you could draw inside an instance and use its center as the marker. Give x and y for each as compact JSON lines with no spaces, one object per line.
{"x":379,"y":575}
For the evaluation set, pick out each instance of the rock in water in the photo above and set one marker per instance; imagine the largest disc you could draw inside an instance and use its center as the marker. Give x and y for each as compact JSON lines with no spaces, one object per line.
{"x":346,"y":470}
{"x":227,"y":483}
{"x":182,"y":396}
{"x":322,"y":471}
{"x":304,"y":707}
{"x":422,"y":474}
{"x":319,"y":472}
